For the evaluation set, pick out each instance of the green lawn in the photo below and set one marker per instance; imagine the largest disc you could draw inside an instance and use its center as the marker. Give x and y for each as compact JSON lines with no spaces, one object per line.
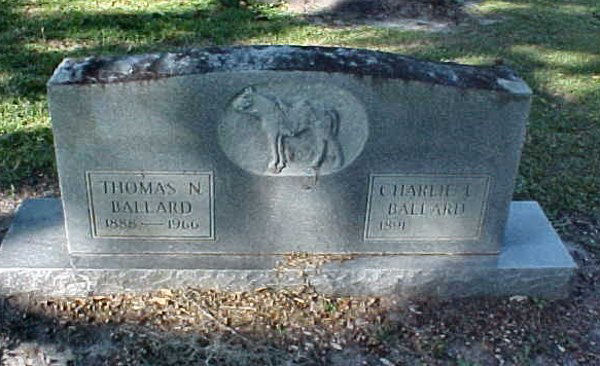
{"x":554,"y":45}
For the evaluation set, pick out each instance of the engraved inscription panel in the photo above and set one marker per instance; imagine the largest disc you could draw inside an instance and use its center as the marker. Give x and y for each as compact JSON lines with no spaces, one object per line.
{"x":425,"y":207}
{"x":293,"y":129}
{"x":151,"y":205}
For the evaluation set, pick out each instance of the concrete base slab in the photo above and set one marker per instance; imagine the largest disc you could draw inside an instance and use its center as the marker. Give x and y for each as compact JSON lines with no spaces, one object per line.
{"x":533,"y":261}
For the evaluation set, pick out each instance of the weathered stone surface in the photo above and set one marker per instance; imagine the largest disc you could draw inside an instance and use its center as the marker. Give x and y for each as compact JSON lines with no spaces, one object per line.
{"x":533,"y":261}
{"x":104,"y":70}
{"x":278,"y":149}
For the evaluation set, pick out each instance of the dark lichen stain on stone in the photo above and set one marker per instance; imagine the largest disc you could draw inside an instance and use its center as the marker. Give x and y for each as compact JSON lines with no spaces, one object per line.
{"x":102,"y":70}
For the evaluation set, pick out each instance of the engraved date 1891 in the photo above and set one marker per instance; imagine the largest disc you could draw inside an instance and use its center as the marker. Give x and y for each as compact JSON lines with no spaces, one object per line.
{"x":392,"y":225}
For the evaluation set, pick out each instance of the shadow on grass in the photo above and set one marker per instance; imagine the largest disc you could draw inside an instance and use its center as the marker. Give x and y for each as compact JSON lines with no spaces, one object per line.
{"x":26,"y":157}
{"x":34,"y":45}
{"x":555,"y":48}
{"x":450,"y":10}
{"x":541,"y":40}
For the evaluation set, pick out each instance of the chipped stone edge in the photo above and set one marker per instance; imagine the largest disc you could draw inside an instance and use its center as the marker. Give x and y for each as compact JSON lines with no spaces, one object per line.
{"x":548,"y":283}
{"x":359,"y":62}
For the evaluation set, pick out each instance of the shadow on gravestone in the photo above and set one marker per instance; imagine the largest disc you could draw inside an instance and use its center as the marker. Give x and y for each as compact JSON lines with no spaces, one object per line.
{"x":210,"y":166}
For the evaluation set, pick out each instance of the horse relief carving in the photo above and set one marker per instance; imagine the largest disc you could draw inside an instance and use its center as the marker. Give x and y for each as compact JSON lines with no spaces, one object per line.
{"x":282,"y":121}
{"x":293,"y":128}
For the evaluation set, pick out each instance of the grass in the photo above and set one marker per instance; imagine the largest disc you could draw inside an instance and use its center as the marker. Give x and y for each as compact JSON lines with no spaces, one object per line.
{"x":553,"y":45}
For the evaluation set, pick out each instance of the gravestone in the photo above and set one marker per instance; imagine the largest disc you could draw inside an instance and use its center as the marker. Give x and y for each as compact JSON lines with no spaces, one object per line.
{"x":209,"y":167}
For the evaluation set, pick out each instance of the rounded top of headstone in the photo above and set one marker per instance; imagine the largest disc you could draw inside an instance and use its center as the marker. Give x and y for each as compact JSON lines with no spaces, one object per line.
{"x":102,"y":70}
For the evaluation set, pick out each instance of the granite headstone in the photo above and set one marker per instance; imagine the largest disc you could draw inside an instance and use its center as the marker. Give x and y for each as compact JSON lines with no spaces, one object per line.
{"x":258,"y":150}
{"x":228,"y":158}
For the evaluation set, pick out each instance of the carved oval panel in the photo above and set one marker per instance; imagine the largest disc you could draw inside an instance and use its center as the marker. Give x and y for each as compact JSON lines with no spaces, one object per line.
{"x":286,"y":129}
